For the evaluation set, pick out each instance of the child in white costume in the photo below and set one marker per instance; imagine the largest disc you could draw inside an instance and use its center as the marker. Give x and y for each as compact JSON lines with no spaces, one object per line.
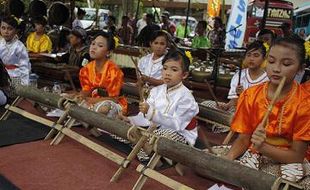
{"x":171,"y":106}
{"x":13,"y":52}
{"x":151,"y":64}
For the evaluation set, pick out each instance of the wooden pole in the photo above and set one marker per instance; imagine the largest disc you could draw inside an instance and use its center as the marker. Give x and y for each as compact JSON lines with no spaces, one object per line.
{"x":211,"y":166}
{"x":133,"y":153}
{"x":187,"y":15}
{"x":263,"y":22}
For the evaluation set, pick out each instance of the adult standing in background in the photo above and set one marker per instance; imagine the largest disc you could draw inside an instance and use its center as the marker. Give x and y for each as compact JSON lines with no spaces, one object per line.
{"x":166,"y":24}
{"x":125,"y":32}
{"x":146,"y":33}
{"x":181,"y":29}
{"x":217,"y":34}
{"x":141,"y":23}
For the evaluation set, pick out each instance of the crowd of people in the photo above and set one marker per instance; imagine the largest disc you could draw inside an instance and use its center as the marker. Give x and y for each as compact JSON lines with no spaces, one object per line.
{"x":282,"y":142}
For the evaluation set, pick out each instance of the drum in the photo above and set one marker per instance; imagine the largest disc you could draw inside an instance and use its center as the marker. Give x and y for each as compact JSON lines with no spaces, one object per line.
{"x":58,"y":14}
{"x":16,"y":8}
{"x":37,"y":8}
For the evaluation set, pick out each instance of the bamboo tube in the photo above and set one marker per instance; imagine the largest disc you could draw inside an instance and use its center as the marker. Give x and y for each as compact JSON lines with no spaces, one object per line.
{"x":211,"y":166}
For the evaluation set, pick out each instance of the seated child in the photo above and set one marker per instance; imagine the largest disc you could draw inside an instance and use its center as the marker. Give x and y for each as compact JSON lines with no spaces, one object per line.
{"x":250,"y":76}
{"x":13,"y":53}
{"x":78,"y":54}
{"x":4,"y":85}
{"x":201,"y":40}
{"x":101,"y":75}
{"x":278,"y":146}
{"x":38,"y":41}
{"x":171,"y":106}
{"x":151,"y":64}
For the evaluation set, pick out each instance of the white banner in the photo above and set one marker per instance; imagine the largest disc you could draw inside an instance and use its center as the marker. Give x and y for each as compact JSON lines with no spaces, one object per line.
{"x":236,"y":24}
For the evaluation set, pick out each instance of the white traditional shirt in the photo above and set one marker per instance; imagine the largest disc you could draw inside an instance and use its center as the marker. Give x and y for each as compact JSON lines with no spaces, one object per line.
{"x":246,"y":82}
{"x":77,"y":24}
{"x":151,"y":68}
{"x":172,"y":108}
{"x":14,"y":55}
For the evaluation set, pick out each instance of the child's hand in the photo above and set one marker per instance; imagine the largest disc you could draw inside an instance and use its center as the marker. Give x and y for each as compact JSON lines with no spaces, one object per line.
{"x":145,"y":78}
{"x":239,"y":89}
{"x":123,"y":118}
{"x":259,"y":136}
{"x":144,"y":107}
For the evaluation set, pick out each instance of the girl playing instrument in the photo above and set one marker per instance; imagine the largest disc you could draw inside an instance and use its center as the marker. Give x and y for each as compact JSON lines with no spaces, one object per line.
{"x":101,"y":79}
{"x":38,"y":41}
{"x":151,"y":64}
{"x":278,"y":146}
{"x":13,"y":53}
{"x":171,"y":106}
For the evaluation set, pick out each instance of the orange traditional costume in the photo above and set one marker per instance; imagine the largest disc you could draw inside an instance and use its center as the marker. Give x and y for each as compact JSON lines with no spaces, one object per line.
{"x":306,"y":85}
{"x":288,"y":121}
{"x":110,"y":78}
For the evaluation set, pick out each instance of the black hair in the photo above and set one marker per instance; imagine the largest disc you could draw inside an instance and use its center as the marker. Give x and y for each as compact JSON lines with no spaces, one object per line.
{"x":109,"y":37}
{"x":80,"y":12}
{"x":40,"y":20}
{"x":12,"y":21}
{"x":150,"y":15}
{"x":294,"y":42}
{"x":112,"y":18}
{"x":257,"y":45}
{"x":266,"y":31}
{"x":219,"y":20}
{"x":125,"y":17}
{"x":4,"y":76}
{"x":178,"y":55}
{"x":203,"y":24}
{"x":158,"y":33}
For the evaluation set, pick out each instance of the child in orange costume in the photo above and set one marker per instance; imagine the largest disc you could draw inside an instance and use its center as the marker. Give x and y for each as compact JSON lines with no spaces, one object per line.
{"x":282,"y":143}
{"x":101,"y":75}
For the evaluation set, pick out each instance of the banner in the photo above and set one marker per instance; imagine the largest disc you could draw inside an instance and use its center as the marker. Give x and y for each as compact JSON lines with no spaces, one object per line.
{"x":236,"y":24}
{"x":214,"y":7}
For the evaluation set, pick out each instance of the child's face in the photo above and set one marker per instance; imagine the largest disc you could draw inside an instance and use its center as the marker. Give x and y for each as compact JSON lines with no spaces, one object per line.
{"x":200,"y":30}
{"x":7,"y":31}
{"x":282,"y":61}
{"x":159,"y":46}
{"x":172,"y":73}
{"x":39,"y":27}
{"x":99,"y":48}
{"x":253,"y":59}
{"x":74,"y":40}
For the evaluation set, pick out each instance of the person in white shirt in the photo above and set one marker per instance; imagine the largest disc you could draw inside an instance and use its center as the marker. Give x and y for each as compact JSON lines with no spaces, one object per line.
{"x":151,"y":65}
{"x":13,"y":53}
{"x":171,"y":106}
{"x":141,"y":23}
{"x":77,"y":21}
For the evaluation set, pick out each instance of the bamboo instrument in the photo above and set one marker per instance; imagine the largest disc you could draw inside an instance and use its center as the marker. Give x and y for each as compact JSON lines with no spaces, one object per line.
{"x":273,"y":101}
{"x":140,"y":82}
{"x":240,"y":71}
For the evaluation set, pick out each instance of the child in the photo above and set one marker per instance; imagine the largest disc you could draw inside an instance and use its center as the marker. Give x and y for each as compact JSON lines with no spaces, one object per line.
{"x":200,"y":40}
{"x":79,"y":16}
{"x":78,"y":54}
{"x":102,"y":74}
{"x":151,"y":64}
{"x":4,"y":84}
{"x":171,"y":106}
{"x":13,"y":53}
{"x":252,"y":75}
{"x":38,"y":41}
{"x":281,"y":142}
